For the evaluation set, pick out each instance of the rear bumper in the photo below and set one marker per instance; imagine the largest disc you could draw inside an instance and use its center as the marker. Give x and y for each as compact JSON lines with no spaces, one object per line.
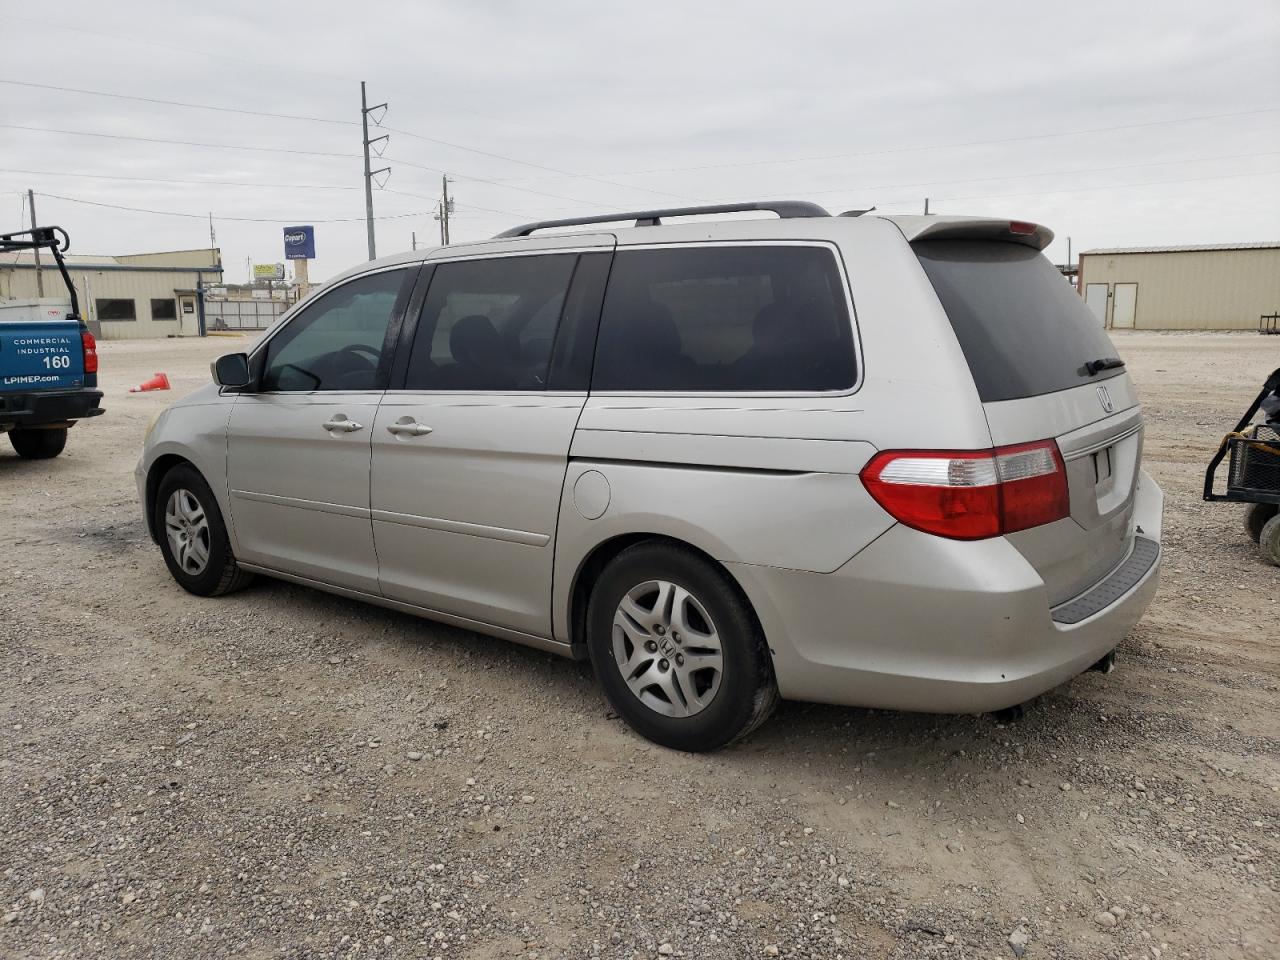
{"x":18,"y":410}
{"x":917,"y":622}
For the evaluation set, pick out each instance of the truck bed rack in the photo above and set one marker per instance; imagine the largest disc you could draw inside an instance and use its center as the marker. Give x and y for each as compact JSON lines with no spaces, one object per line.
{"x":57,"y":241}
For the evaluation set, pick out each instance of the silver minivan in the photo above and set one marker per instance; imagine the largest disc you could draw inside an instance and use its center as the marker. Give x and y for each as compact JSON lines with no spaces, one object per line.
{"x":869,"y":460}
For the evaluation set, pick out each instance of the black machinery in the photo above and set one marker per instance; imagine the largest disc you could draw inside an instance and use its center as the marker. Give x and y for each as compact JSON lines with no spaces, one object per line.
{"x":1252,"y":451}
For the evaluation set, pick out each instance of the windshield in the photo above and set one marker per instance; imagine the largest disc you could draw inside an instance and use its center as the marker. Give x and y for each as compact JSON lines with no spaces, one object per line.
{"x":1022,"y":328}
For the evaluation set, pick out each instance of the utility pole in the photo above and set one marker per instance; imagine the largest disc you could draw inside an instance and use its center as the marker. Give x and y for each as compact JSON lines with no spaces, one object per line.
{"x":446,"y":208}
{"x":414,"y":240}
{"x":213,"y":244}
{"x":926,"y":206}
{"x":369,"y":174}
{"x":31,"y":202}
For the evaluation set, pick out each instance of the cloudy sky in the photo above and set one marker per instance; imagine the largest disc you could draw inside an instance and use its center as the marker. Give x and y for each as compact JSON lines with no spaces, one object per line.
{"x":1115,"y":123}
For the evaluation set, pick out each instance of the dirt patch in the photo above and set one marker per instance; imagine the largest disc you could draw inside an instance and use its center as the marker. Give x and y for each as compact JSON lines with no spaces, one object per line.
{"x":284,"y":773}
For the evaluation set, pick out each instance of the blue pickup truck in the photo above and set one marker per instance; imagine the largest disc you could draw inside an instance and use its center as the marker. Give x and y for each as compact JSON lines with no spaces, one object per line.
{"x":48,"y":359}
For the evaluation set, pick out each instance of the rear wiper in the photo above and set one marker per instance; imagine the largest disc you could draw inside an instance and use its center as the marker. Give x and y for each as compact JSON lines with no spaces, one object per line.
{"x":1106,"y":363}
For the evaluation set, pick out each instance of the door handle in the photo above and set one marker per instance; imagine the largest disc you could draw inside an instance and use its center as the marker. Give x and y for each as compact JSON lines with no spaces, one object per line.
{"x":411,"y":428}
{"x":342,"y":425}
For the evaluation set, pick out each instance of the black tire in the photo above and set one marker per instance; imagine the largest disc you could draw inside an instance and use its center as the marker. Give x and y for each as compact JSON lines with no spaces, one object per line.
{"x":1256,"y":516}
{"x":1269,"y":541}
{"x":220,"y":573}
{"x":41,"y":444}
{"x":747,"y":692}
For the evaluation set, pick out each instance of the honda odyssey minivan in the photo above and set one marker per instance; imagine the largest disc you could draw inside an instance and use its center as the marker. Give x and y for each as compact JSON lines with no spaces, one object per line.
{"x":870,"y":460}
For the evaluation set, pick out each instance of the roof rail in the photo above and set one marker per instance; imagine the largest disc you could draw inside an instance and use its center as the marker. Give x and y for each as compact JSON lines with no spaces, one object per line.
{"x":785,"y":209}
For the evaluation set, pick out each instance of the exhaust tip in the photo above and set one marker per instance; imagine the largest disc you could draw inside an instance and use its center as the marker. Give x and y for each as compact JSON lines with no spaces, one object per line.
{"x":1106,"y":664}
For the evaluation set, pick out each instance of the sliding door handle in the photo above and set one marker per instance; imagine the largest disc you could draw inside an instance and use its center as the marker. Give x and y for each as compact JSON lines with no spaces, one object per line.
{"x":405,"y":427}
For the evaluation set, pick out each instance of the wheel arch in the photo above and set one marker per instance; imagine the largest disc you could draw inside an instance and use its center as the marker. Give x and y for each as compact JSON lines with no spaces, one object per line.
{"x":589,"y":570}
{"x":155,"y":474}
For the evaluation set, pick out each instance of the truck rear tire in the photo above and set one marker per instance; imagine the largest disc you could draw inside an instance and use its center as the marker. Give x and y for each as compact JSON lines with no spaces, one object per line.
{"x":1269,"y":542}
{"x":1256,"y":516}
{"x":38,"y":444}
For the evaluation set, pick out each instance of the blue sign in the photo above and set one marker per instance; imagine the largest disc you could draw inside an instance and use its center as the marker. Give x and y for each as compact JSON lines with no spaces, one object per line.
{"x":299,"y":243}
{"x":41,"y":356}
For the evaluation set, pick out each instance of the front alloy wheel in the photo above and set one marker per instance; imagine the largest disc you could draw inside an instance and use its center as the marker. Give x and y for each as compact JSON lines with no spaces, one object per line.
{"x":187,"y":528}
{"x":192,"y":535}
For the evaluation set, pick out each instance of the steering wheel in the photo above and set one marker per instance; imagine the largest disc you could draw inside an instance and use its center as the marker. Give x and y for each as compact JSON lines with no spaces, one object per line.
{"x":374,"y":352}
{"x":369,"y":357}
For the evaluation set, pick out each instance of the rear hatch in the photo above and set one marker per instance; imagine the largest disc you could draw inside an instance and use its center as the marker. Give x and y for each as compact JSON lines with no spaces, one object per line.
{"x":40,"y":355}
{"x":1034,"y":351}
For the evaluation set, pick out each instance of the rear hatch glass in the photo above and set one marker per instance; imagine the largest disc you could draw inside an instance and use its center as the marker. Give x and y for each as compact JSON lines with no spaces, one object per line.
{"x":1023,"y":330}
{"x":1027,"y":338}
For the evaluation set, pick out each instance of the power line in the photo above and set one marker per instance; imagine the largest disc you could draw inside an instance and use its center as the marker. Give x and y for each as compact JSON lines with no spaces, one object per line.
{"x":216,"y":183}
{"x":175,"y":103}
{"x":184,"y":48}
{"x":499,"y":183}
{"x":466,"y":206}
{"x":204,"y":216}
{"x":536,"y":166}
{"x":333,"y":120}
{"x":309,"y":153}
{"x":179,"y":143}
{"x":949,"y":146}
{"x":1110,"y":186}
{"x":1024,"y":176}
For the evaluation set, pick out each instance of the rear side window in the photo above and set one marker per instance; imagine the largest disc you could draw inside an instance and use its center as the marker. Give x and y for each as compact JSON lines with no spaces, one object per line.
{"x":490,"y":324}
{"x":734,"y":318}
{"x":1023,"y":330}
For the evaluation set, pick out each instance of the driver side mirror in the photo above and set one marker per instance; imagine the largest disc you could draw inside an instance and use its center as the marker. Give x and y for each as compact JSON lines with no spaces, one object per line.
{"x":232,"y":370}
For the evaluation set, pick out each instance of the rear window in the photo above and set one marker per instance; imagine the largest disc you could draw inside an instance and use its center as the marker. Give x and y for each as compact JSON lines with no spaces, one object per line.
{"x":734,"y":318}
{"x":1022,"y":328}
{"x":490,"y":324}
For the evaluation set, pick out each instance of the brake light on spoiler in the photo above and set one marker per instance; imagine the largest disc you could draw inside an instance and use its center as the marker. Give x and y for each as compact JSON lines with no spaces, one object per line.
{"x":971,"y":495}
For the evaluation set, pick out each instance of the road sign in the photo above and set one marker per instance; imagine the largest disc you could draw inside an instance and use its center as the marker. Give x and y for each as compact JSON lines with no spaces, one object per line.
{"x":299,"y":243}
{"x":268,"y":271}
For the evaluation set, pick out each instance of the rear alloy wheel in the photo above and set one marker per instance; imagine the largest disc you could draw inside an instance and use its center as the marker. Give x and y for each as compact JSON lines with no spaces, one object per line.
{"x":1256,"y":516}
{"x":677,"y":648}
{"x":38,"y":444}
{"x":667,"y":648}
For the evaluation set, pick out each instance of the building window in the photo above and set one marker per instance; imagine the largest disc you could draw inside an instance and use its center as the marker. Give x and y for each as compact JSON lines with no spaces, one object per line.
{"x":163,"y":310}
{"x":115,"y":310}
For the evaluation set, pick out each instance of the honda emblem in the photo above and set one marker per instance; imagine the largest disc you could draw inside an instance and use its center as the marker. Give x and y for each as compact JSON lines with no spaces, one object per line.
{"x":1104,"y":398}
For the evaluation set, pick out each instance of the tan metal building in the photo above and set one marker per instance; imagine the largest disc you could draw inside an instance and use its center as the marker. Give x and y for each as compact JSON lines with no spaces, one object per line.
{"x":129,"y":297}
{"x":1208,"y":287}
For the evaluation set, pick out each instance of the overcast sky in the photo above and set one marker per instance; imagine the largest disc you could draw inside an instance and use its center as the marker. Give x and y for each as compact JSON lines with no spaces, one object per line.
{"x":1116,"y":123}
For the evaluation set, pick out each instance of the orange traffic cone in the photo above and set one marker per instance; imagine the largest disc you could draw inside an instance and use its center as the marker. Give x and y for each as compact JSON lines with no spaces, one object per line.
{"x":158,"y":382}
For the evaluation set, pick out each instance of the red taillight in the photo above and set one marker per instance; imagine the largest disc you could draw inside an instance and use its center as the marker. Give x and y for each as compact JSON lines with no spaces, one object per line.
{"x":1022,"y":228}
{"x":971,"y":495}
{"x":90,"y":346}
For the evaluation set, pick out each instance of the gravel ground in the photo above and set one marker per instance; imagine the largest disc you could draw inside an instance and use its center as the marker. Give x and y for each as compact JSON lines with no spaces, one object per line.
{"x":283,"y":773}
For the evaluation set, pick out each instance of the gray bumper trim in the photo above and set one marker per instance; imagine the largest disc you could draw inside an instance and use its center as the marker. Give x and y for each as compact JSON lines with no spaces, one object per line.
{"x":1106,"y":592}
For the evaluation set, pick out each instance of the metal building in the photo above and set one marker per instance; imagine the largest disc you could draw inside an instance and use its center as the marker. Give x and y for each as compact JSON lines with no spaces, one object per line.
{"x":130,"y":297}
{"x":1209,"y":287}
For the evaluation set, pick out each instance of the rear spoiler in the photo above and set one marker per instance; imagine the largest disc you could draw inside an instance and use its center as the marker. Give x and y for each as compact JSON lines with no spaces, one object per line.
{"x":973,"y":228}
